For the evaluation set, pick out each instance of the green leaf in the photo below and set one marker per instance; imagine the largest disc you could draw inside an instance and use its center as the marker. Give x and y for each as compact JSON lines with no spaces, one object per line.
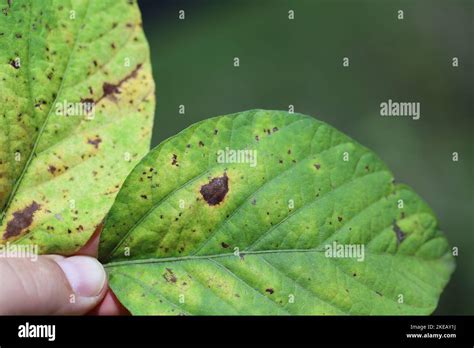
{"x":188,"y":234}
{"x":76,"y":110}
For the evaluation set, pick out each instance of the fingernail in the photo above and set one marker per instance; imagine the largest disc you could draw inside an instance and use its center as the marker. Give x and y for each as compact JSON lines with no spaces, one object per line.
{"x":85,"y":274}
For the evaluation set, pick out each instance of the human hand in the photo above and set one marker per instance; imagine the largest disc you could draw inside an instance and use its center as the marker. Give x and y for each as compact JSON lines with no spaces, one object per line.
{"x":57,"y":285}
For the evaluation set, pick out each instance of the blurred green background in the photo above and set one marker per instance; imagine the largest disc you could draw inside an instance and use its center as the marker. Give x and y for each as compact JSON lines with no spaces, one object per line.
{"x":299,"y":62}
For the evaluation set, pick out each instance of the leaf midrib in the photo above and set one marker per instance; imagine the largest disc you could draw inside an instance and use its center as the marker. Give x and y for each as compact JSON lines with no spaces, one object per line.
{"x":243,"y":254}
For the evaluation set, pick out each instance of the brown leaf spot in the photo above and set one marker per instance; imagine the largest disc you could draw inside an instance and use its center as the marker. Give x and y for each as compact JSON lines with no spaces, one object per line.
{"x":88,"y":104}
{"x":21,"y":220}
{"x":14,"y":64}
{"x":110,"y":89}
{"x":270,"y":290}
{"x":317,"y":166}
{"x":224,"y":245}
{"x":398,"y":232}
{"x":52,"y":169}
{"x":174,"y":160}
{"x":169,"y":276}
{"x":95,"y":141}
{"x":215,"y":191}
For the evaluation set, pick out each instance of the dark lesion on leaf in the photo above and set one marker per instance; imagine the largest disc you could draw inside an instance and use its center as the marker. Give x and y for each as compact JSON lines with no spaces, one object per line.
{"x":398,"y":232}
{"x":169,"y":276}
{"x":88,"y":104}
{"x":21,"y":220}
{"x":111,"y":89}
{"x":14,"y":63}
{"x":174,"y":160}
{"x":270,"y":291}
{"x":95,"y":142}
{"x":215,"y":191}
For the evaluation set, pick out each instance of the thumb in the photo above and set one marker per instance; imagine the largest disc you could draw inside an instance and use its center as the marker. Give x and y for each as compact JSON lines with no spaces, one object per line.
{"x":51,"y":285}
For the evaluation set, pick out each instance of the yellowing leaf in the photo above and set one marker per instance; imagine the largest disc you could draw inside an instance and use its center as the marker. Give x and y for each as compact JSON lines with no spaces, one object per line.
{"x":76,"y":110}
{"x":265,"y":212}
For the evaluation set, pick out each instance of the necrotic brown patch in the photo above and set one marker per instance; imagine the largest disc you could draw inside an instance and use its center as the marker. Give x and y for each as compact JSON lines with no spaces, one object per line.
{"x":174,"y":160}
{"x":111,"y":89}
{"x":169,"y":276}
{"x":14,"y":63}
{"x":95,"y":141}
{"x":21,"y":220}
{"x":215,"y":191}
{"x":398,"y":232}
